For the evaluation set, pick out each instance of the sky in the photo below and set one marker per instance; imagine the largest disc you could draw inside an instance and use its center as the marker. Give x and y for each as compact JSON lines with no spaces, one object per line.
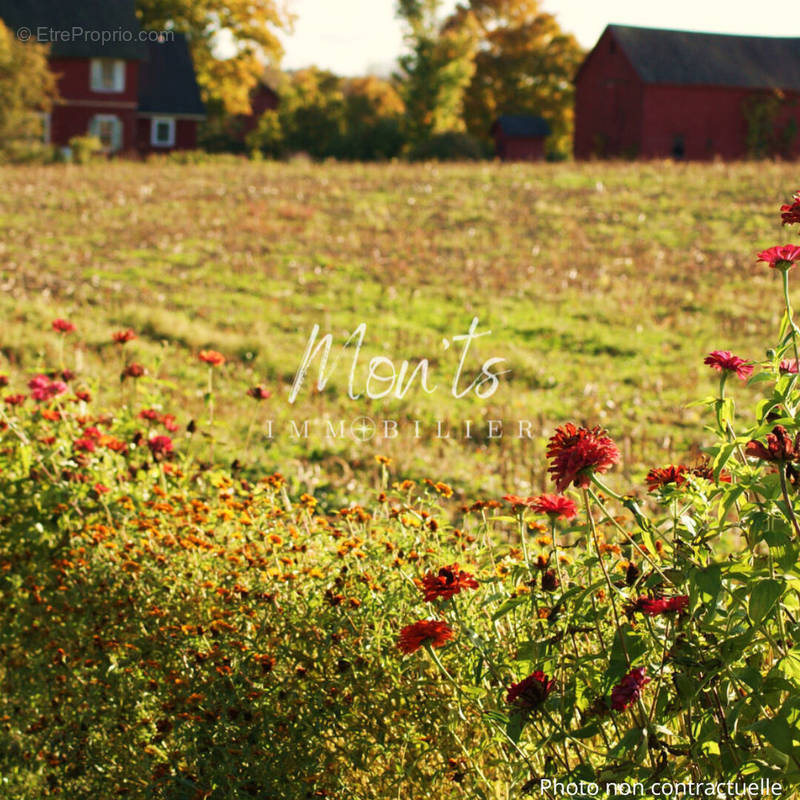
{"x":354,"y":37}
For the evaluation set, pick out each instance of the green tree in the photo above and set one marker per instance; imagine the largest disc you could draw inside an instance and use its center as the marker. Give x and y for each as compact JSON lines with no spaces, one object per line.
{"x":524,"y":64}
{"x":27,"y":87}
{"x":434,"y":74}
{"x":248,"y":27}
{"x":328,"y":116}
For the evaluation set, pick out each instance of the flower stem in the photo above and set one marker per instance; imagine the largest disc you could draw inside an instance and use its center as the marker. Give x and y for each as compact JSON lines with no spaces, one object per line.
{"x":789,"y":315}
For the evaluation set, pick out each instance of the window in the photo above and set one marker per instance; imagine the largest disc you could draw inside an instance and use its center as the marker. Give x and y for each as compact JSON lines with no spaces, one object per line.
{"x":678,"y":146}
{"x":162,"y":132}
{"x":107,"y":75}
{"x":108,"y":129}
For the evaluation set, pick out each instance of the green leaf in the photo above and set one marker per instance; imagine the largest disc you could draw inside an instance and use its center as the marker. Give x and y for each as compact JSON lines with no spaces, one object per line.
{"x":777,"y":732}
{"x":516,"y":723}
{"x":763,"y":597}
{"x":789,"y":665}
{"x":509,"y":605}
{"x":634,"y":644}
{"x":709,"y":579}
{"x":722,"y":458}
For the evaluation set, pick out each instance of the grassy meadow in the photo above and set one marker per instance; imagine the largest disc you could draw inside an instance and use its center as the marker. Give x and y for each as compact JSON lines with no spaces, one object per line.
{"x":603,"y":286}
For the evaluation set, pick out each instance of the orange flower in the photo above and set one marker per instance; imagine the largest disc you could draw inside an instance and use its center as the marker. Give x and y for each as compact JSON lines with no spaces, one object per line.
{"x":212,"y":358}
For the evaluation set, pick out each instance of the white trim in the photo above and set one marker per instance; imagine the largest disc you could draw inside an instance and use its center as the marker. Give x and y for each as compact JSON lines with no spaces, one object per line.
{"x":154,"y":140}
{"x":97,"y":76}
{"x":47,"y":119}
{"x":116,"y":133}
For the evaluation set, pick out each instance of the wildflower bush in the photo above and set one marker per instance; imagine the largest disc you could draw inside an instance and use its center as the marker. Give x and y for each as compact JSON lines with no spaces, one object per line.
{"x":173,"y":629}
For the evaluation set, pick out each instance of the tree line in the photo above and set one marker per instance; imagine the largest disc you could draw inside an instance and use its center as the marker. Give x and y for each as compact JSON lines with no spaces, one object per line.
{"x":459,"y":72}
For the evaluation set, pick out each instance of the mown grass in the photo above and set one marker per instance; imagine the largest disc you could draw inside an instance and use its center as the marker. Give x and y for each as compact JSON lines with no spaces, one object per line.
{"x":604,"y":285}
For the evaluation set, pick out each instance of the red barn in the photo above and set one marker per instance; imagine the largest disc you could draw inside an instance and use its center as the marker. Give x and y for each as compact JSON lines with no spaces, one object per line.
{"x":649,"y":93}
{"x":519,"y":137}
{"x":133,"y":89}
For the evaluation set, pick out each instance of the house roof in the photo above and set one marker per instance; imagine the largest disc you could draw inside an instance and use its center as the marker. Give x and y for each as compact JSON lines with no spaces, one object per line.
{"x":524,"y":125}
{"x":92,"y":17}
{"x":167,"y":80}
{"x":710,"y":59}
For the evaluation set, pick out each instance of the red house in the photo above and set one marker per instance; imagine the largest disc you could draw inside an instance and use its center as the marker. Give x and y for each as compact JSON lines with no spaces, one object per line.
{"x":650,"y":93}
{"x":135,"y":90}
{"x":519,"y":137}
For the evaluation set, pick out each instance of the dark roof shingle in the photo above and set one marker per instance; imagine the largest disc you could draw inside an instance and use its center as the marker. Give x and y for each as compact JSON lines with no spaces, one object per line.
{"x":711,"y":59}
{"x":167,"y":80}
{"x":522,"y":125}
{"x":116,"y":18}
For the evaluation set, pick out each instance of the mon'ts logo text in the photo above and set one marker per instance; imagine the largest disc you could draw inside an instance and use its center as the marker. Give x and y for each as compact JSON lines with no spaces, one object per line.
{"x":384,"y":378}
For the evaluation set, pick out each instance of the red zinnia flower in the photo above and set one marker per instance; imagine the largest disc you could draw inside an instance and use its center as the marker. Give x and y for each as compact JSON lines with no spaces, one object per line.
{"x":780,"y":446}
{"x":530,"y":692}
{"x":447,"y":582}
{"x":123,"y":337}
{"x":168,"y":421}
{"x":788,"y":366}
{"x":259,"y":393}
{"x":661,"y":605}
{"x":780,"y":257}
{"x":150,"y":414}
{"x":63,"y":326}
{"x":663,"y":476}
{"x":101,"y":488}
{"x":85,"y":446}
{"x":42,"y":388}
{"x":212,"y":358}
{"x":427,"y":631}
{"x":133,"y":371}
{"x":627,"y":691}
{"x":14,"y":399}
{"x":722,"y":360}
{"x":579,"y":452}
{"x":160,"y":445}
{"x":791,"y":213}
{"x":3,"y":381}
{"x":554,"y":505}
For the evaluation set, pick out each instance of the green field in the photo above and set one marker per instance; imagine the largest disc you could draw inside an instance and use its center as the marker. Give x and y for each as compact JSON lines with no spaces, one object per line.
{"x":604,"y":285}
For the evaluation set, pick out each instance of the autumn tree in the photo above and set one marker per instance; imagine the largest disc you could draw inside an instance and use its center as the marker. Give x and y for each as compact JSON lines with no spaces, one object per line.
{"x":327,"y":116}
{"x":524,"y":64}
{"x":434,"y":74}
{"x":248,"y":28}
{"x":27,"y":87}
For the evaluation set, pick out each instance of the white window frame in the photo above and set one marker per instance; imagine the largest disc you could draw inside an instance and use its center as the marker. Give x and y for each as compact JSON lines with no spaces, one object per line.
{"x":97,"y":76}
{"x":154,"y":123}
{"x":46,"y":118}
{"x":117,"y":134}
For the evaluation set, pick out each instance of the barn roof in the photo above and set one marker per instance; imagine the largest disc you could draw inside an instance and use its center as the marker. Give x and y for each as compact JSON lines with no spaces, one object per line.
{"x":523,"y":125}
{"x":711,"y":59}
{"x":93,"y":17}
{"x":167,"y":81}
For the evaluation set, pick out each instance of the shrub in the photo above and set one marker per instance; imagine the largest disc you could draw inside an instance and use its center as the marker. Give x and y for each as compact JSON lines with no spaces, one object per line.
{"x":85,"y":148}
{"x":449,"y":146}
